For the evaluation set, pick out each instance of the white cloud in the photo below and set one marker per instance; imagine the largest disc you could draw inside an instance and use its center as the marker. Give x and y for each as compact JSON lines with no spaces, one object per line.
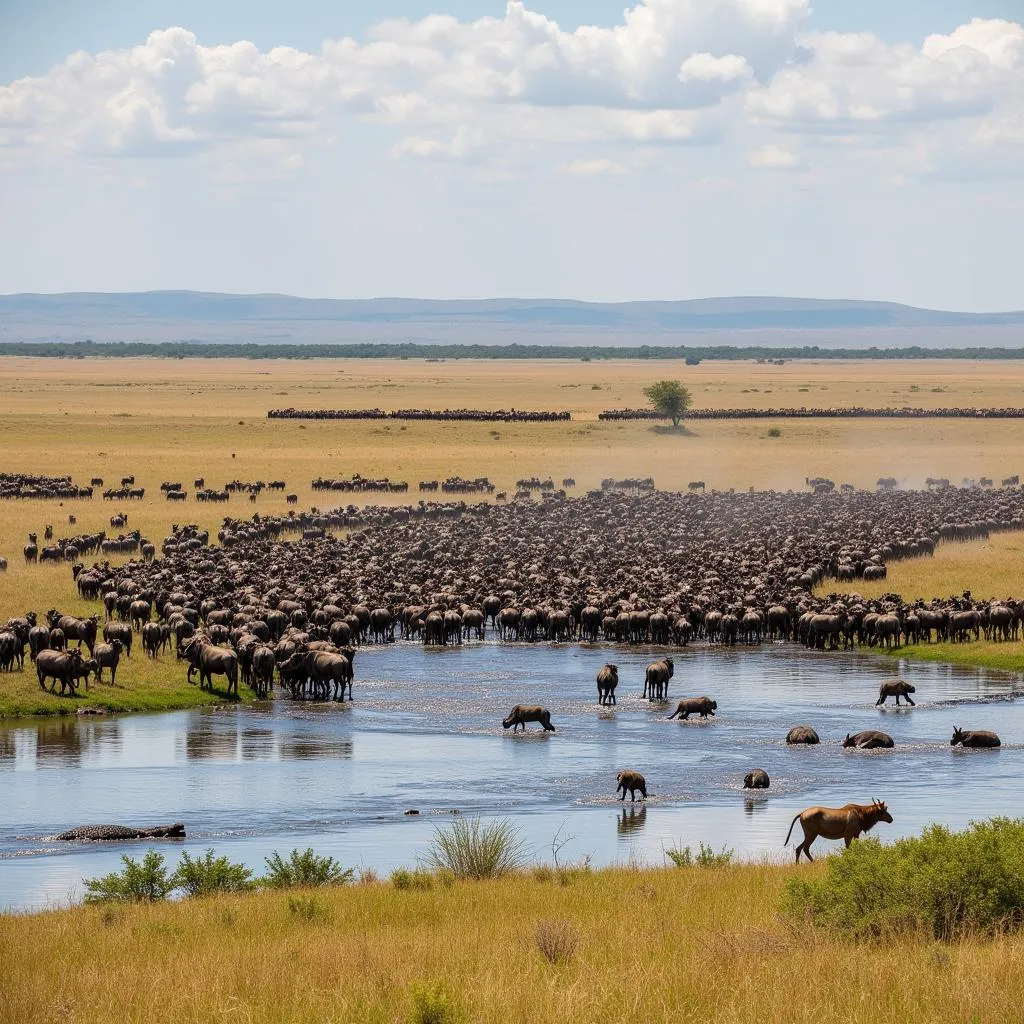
{"x":703,"y":67}
{"x":600,"y":167}
{"x":774,"y":158}
{"x":672,"y":72}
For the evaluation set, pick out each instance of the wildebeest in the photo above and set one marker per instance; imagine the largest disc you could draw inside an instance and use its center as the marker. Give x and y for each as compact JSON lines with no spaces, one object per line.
{"x":846,"y":823}
{"x":58,"y":666}
{"x":895,"y":688}
{"x":211,"y":661}
{"x":607,"y":681}
{"x":802,"y":734}
{"x":324,"y":669}
{"x":974,"y":738}
{"x":11,"y":651}
{"x":151,"y":639}
{"x":119,"y":631}
{"x":523,"y":713}
{"x":632,"y":781}
{"x":702,"y":706}
{"x":757,"y":779}
{"x":869,"y":739}
{"x":107,"y":656}
{"x":656,"y":679}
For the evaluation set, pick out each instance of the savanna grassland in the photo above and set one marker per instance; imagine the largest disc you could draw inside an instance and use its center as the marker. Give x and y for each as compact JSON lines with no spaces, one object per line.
{"x":621,"y":945}
{"x":182,"y":419}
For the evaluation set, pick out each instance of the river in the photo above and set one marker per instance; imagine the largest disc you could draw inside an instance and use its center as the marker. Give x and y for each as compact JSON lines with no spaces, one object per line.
{"x":425,"y":733}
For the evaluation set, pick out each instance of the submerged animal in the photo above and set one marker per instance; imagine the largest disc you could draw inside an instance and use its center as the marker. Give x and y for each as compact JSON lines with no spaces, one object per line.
{"x":846,"y":823}
{"x":801,"y":734}
{"x":869,"y":739}
{"x":523,"y":713}
{"x":974,"y":738}
{"x":101,"y":833}
{"x":757,"y":779}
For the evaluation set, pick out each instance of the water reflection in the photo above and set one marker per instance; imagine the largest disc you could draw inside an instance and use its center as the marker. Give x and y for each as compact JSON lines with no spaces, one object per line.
{"x":631,"y":820}
{"x":314,"y":748}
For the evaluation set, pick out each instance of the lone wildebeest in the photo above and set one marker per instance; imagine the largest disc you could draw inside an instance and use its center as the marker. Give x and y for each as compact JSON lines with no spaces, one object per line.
{"x":802,"y":734}
{"x":973,"y":738}
{"x":757,"y":779}
{"x":607,"y":681}
{"x":523,"y":713}
{"x":656,"y":679}
{"x":702,"y":706}
{"x":895,"y":688}
{"x":846,"y":823}
{"x":869,"y":739}
{"x":632,"y":781}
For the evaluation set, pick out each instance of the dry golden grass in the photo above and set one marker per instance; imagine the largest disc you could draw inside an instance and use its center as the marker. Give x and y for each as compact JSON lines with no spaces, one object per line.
{"x":992,"y":568}
{"x":667,"y":946}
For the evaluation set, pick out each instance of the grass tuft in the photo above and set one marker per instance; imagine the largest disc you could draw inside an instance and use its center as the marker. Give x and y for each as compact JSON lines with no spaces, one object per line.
{"x":471,"y":850}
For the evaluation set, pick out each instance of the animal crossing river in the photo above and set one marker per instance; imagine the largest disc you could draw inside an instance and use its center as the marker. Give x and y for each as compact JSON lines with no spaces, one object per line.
{"x":425,"y":734}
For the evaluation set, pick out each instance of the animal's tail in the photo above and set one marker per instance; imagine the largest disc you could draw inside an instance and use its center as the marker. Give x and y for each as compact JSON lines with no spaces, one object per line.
{"x":673,"y":715}
{"x":790,"y":832}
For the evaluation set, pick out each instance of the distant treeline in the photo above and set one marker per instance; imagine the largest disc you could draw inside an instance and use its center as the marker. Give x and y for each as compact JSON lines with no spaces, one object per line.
{"x":381,"y":350}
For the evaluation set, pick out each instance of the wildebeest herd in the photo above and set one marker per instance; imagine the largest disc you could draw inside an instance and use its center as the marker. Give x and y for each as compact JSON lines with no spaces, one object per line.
{"x":474,"y":415}
{"x":841,"y":412}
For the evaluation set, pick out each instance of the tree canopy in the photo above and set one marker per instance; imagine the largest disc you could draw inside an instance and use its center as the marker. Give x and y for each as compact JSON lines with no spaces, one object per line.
{"x":670,"y":398}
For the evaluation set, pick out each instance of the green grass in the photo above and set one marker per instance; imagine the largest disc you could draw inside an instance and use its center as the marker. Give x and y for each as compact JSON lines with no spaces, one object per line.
{"x":143,"y":684}
{"x":1006,"y":657}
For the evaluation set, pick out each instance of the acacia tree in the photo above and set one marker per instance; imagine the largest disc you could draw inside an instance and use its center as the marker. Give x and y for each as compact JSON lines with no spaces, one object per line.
{"x":670,"y":398}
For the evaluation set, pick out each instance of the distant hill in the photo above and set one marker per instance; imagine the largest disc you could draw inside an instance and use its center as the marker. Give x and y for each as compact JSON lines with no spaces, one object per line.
{"x":208,"y":316}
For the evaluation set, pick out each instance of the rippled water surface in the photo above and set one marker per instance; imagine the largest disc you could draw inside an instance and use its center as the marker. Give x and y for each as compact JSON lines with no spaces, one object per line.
{"x":425,"y":733}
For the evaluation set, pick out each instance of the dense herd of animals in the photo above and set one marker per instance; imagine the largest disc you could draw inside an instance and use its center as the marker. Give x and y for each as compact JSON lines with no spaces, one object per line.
{"x":803,"y":412}
{"x":476,"y":415}
{"x":626,"y":565}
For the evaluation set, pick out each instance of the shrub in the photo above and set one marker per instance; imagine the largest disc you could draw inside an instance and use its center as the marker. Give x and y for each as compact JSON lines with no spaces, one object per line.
{"x":471,"y":850}
{"x":433,"y":1004}
{"x":137,"y":883}
{"x":209,"y":874}
{"x":403,"y":879}
{"x":304,"y":871}
{"x":556,"y":940}
{"x":706,"y":857}
{"x":947,"y":884}
{"x":774,"y":432}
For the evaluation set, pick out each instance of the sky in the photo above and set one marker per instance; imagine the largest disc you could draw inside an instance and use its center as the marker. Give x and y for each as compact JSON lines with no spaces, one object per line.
{"x":473,"y":148}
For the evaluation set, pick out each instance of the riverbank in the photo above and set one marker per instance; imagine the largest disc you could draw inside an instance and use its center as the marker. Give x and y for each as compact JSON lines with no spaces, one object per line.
{"x":581,"y":947}
{"x":142,"y":686}
{"x":1004,"y":657}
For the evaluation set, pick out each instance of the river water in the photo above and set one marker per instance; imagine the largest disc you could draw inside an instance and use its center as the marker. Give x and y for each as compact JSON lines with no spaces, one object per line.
{"x":425,"y":733}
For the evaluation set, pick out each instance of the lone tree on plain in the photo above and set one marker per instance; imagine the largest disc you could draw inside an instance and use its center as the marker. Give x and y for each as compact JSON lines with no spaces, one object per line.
{"x":670,"y":398}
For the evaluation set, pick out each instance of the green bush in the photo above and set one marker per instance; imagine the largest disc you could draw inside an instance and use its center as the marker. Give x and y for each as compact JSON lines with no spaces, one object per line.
{"x":471,"y":850}
{"x":304,"y":871}
{"x":137,"y":883}
{"x":433,"y":1004}
{"x":774,"y":432}
{"x":946,"y":884}
{"x":706,"y":857}
{"x":209,"y":874}
{"x":403,"y":879}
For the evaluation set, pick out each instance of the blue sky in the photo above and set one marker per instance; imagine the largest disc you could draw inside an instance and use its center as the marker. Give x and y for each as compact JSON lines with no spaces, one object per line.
{"x":36,"y":34}
{"x":869,"y":149}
